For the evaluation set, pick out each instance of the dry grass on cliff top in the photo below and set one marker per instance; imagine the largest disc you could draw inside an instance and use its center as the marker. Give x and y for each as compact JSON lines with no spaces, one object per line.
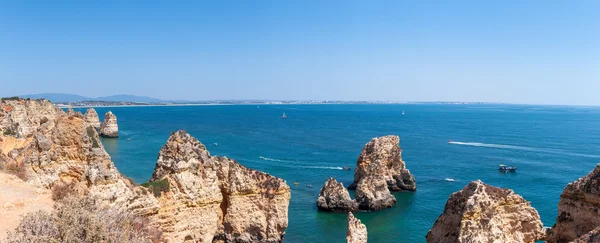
{"x":77,"y":219}
{"x":18,"y":198}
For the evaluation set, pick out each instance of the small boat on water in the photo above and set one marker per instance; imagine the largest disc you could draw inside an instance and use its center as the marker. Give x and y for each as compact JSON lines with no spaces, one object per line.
{"x":450,"y":141}
{"x":215,"y":144}
{"x":296,"y":183}
{"x":346,"y":167}
{"x":506,"y":168}
{"x":283,"y":116}
{"x":403,"y":112}
{"x":308,"y":185}
{"x":449,"y":179}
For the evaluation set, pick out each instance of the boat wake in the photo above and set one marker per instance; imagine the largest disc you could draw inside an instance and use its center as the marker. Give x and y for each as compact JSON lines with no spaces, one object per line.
{"x":298,"y":164}
{"x":514,"y":147}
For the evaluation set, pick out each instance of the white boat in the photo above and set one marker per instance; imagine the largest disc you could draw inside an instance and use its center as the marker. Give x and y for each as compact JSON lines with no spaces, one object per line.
{"x":283,"y":116}
{"x":403,"y":113}
{"x":449,"y":179}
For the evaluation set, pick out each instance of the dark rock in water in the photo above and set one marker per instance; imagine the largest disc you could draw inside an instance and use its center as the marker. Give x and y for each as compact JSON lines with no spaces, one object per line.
{"x":578,"y":208}
{"x":109,"y":127}
{"x":372,"y":193}
{"x":382,"y":156}
{"x":335,"y":198}
{"x":484,"y":213}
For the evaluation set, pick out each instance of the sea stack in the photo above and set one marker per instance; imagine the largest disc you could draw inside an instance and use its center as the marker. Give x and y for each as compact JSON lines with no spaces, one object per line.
{"x":335,"y":198}
{"x":372,"y":194}
{"x":216,"y":199}
{"x":382,"y":156}
{"x":91,"y":118}
{"x":484,"y":213}
{"x":578,"y":208}
{"x":109,"y":127}
{"x":357,"y":231}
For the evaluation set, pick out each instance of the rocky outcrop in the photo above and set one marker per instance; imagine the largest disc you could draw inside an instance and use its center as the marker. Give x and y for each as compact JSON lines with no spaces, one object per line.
{"x":591,"y":237}
{"x":372,"y":193}
{"x":578,"y":208}
{"x":91,"y":118}
{"x":109,"y":127}
{"x":357,"y":231}
{"x":216,"y":198}
{"x":484,"y":213}
{"x":335,"y":198}
{"x":382,"y":156}
{"x":53,"y":147}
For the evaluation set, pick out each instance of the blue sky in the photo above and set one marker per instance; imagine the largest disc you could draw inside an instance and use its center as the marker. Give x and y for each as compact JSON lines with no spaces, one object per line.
{"x":540,"y":52}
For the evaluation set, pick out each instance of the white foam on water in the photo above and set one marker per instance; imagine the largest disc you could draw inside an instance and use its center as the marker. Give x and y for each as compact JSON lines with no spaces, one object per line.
{"x":532,"y":149}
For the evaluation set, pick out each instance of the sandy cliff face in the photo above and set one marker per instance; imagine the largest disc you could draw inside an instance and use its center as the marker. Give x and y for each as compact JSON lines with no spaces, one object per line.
{"x":216,"y":198}
{"x":591,"y":237}
{"x":372,"y":194}
{"x":334,"y":197}
{"x":91,"y":118}
{"x":483,"y":213}
{"x":109,"y":127}
{"x":357,"y":231}
{"x":578,"y":208}
{"x":382,"y":156}
{"x":56,"y":147}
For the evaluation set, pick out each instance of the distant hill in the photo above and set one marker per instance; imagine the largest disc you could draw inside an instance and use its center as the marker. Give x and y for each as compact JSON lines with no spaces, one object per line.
{"x":61,"y":98}
{"x":129,"y":98}
{"x":57,"y":97}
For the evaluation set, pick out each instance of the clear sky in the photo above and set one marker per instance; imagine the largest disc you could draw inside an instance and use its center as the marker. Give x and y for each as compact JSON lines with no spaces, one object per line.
{"x":542,"y":52}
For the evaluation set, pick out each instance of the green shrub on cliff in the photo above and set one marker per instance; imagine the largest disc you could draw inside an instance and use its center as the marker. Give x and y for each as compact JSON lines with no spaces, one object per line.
{"x":157,"y":187}
{"x":91,"y":132}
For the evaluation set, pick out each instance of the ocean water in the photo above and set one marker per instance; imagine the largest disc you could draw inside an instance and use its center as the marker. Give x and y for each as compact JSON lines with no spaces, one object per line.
{"x":551,"y":146}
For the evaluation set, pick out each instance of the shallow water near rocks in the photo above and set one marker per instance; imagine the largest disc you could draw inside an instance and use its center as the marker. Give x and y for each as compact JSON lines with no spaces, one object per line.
{"x":550,"y":145}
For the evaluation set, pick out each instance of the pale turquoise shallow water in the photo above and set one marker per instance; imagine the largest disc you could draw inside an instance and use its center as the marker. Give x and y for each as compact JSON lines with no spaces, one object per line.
{"x":551,"y":146}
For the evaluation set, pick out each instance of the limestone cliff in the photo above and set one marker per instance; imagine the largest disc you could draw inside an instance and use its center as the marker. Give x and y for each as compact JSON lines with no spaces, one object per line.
{"x":578,"y":208}
{"x":357,"y":231}
{"x":372,"y":194}
{"x":91,"y":118}
{"x":591,"y":237}
{"x":334,"y":197}
{"x":382,"y":156}
{"x":216,"y":198}
{"x":53,"y":147}
{"x":109,"y":127}
{"x":484,"y":213}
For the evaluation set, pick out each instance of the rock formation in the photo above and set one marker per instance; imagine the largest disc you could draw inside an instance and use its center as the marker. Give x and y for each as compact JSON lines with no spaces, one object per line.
{"x":484,"y":213}
{"x":372,"y":193}
{"x":335,"y":198}
{"x":91,"y":118}
{"x":216,"y":198}
{"x":209,"y":199}
{"x":578,"y":208}
{"x":357,"y":231}
{"x":382,"y":156}
{"x":591,"y":237}
{"x":109,"y":127}
{"x":53,"y":147}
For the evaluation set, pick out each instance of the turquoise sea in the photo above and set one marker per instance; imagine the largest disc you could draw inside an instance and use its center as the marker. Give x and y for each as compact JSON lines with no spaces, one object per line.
{"x":550,"y":145}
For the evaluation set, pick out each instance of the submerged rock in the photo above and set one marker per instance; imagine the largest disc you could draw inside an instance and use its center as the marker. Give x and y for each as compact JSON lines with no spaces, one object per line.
{"x":484,"y":213}
{"x":109,"y":127}
{"x":357,"y":231}
{"x":372,"y":193}
{"x":91,"y":118}
{"x":216,"y":198}
{"x":382,"y":156}
{"x":578,"y":208}
{"x":334,"y":197}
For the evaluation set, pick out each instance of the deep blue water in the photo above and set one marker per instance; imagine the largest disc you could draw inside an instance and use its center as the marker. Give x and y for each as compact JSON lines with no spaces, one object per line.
{"x":551,"y":146}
